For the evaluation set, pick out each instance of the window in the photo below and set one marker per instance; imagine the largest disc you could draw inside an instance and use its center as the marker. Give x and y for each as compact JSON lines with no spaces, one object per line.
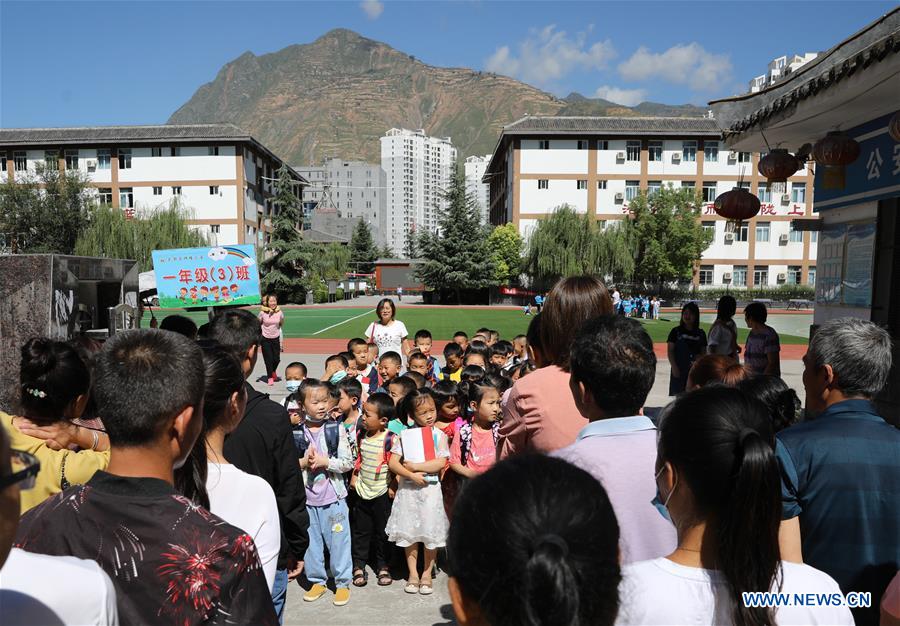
{"x":795,"y":235}
{"x":581,"y":184}
{"x":603,"y":145}
{"x":744,"y":157}
{"x":711,"y":151}
{"x":3,"y":162}
{"x":811,"y":277}
{"x":761,"y":275}
{"x":214,"y":190}
{"x":582,"y":144}
{"x":215,"y":229}
{"x":794,"y":274}
{"x":601,"y":184}
{"x":654,"y":150}
{"x":176,"y":151}
{"x":632,"y":150}
{"x":71,"y":159}
{"x":653,"y":186}
{"x":126,"y":198}
{"x":813,"y":236}
{"x":798,"y":192}
{"x":124,"y":158}
{"x":51,"y":159}
{"x":762,"y":232}
{"x":104,"y":195}
{"x":176,"y":190}
{"x":214,"y":151}
{"x":20,"y":161}
{"x":709,"y":192}
{"x":543,"y":183}
{"x":742,"y":233}
{"x":632,"y":189}
{"x":156,"y":152}
{"x":709,"y":227}
{"x":764,"y":193}
{"x":543,"y":144}
{"x":706,"y":275}
{"x":688,"y":184}
{"x":689,"y":151}
{"x":744,"y":185}
{"x":157,"y":191}
{"x":739,"y":276}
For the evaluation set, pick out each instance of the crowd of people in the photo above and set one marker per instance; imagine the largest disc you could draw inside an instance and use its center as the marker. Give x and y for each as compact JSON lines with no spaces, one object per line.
{"x":155,"y":484}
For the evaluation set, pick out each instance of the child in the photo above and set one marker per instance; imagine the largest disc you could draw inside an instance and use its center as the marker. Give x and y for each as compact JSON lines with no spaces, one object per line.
{"x":447,"y":403}
{"x":474,"y":449}
{"x":333,"y":365}
{"x":520,"y":349}
{"x":461,"y":339}
{"x":423,"y":342}
{"x":420,"y":364}
{"x":686,"y":343}
{"x":352,"y":371}
{"x":453,"y":356}
{"x":388,"y":369}
{"x":366,"y":373}
{"x":417,"y":378}
{"x":502,"y":354}
{"x":493,"y":337}
{"x":294,"y":374}
{"x":324,"y":458}
{"x":371,"y":479}
{"x":418,"y":513}
{"x":398,"y":389}
{"x":472,"y":372}
{"x":475,"y":358}
{"x":348,"y":409}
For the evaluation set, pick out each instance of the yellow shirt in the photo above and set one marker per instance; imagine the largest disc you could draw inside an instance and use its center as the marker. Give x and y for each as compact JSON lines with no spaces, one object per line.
{"x":79,"y":466}
{"x":374,"y":474}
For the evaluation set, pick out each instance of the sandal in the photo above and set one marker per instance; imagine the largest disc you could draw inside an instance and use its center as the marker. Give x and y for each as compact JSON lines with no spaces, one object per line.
{"x":360,"y":577}
{"x":384,"y":577}
{"x":411,"y":587}
{"x":426,"y":589}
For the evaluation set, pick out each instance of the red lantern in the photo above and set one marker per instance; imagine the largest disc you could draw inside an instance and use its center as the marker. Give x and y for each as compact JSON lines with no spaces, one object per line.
{"x":778,"y":165}
{"x":894,"y":127}
{"x":737,"y":205}
{"x":836,"y":149}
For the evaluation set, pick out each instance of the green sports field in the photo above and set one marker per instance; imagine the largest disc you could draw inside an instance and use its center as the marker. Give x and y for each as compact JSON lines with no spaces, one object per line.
{"x":334,"y":323}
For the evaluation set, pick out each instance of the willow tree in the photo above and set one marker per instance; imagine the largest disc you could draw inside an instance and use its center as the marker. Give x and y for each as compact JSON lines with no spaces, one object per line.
{"x":573,"y":244}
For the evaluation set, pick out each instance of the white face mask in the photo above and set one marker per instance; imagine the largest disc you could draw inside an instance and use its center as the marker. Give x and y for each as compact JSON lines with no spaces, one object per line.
{"x":292,"y":385}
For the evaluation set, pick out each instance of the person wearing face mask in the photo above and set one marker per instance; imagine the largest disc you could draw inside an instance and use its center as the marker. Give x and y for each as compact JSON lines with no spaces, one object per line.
{"x":718,"y":482}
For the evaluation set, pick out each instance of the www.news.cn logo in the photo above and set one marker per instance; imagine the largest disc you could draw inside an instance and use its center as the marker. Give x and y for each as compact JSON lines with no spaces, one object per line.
{"x":854,"y":599}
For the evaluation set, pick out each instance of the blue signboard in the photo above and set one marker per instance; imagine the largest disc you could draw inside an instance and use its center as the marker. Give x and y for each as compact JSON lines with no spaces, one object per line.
{"x":875,"y":175}
{"x":224,"y":275}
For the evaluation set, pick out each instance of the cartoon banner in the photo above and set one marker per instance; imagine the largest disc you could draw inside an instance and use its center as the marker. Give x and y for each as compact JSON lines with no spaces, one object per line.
{"x":224,"y":275}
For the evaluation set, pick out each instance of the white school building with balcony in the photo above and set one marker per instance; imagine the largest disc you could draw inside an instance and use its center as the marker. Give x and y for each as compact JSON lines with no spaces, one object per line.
{"x":597,"y":165}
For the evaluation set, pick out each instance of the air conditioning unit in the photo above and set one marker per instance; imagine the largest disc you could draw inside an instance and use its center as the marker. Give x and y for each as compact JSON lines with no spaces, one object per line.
{"x":620,"y":156}
{"x":732,"y":156}
{"x":785,"y":198}
{"x":726,"y":276}
{"x":91,"y":165}
{"x":782,"y":276}
{"x":783,"y":239}
{"x":620,"y":197}
{"x":729,"y":237}
{"x":676,"y":157}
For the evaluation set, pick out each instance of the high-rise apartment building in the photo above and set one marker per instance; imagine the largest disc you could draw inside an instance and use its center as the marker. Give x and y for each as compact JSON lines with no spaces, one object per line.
{"x":475,"y":167}
{"x":598,"y":165}
{"x":780,"y":68}
{"x":418,"y":169}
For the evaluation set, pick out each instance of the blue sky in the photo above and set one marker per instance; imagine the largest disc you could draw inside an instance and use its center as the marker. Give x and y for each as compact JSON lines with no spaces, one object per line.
{"x":118,"y":62}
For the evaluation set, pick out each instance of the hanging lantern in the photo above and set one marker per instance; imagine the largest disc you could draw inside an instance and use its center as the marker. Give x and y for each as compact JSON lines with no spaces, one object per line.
{"x":894,"y":127}
{"x":778,"y":166}
{"x":736,"y":206}
{"x":836,"y":149}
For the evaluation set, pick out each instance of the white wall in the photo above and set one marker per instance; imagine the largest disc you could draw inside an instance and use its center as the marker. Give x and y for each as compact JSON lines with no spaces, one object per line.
{"x":669,"y":167}
{"x":563,"y":157}
{"x":534,"y":200}
{"x":608,"y":164}
{"x":193,"y":164}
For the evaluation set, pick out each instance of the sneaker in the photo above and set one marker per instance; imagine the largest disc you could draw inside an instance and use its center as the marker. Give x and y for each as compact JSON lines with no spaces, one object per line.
{"x":315,"y":592}
{"x":341,"y":596}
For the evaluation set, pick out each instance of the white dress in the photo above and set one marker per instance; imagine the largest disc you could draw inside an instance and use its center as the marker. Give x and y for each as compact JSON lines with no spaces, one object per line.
{"x":418,"y":512}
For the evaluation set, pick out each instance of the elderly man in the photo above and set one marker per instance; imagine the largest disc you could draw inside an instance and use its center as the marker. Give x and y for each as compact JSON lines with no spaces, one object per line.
{"x":841,"y":470}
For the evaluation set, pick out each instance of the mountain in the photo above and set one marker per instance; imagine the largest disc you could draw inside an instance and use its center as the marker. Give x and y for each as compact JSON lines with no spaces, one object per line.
{"x":339,"y":94}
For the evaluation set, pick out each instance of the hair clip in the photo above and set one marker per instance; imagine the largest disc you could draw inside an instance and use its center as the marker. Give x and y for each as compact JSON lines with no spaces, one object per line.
{"x":37,"y":393}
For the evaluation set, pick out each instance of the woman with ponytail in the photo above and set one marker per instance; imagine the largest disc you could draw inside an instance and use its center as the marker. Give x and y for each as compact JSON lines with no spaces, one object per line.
{"x":534,"y":542}
{"x":718,"y":481}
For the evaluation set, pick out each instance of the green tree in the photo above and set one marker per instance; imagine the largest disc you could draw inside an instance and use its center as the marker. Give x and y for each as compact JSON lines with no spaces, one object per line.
{"x":571,"y":244}
{"x":386,"y":252}
{"x":45,"y":211}
{"x":363,"y":251}
{"x":411,"y":245}
{"x":506,"y":249}
{"x":457,"y":257}
{"x":112,"y":234}
{"x":666,"y":235}
{"x":288,"y":254}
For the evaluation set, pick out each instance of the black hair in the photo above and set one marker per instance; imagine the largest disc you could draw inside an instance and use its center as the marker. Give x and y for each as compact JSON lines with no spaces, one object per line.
{"x":333,"y":392}
{"x":417,"y":378}
{"x":692,"y":307}
{"x":348,"y":356}
{"x":472,"y":390}
{"x":381,"y":303}
{"x":460,"y":333}
{"x":503,"y":348}
{"x":237,"y":331}
{"x":445,"y":391}
{"x":781,"y":400}
{"x":356,"y":341}
{"x":721,"y":443}
{"x":483,"y":330}
{"x":417,"y":355}
{"x":351,"y":386}
{"x":555,"y":549}
{"x":308,"y":385}
{"x":337,"y":357}
{"x":296,"y":364}
{"x":526,"y":367}
{"x":726,"y":308}
{"x":757,"y":312}
{"x":383,"y":404}
{"x":408,"y":384}
{"x":471,"y":372}
{"x":87,"y":349}
{"x":180,"y":324}
{"x":452,"y":349}
{"x":479,"y":347}
{"x":203,"y":330}
{"x":391,"y":356}
{"x":52,"y":375}
{"x":517,"y":337}
{"x":533,"y":335}
{"x":422,"y":334}
{"x":406,"y":409}
{"x":613,"y":357}
{"x":494,"y":333}
{"x":145,"y":378}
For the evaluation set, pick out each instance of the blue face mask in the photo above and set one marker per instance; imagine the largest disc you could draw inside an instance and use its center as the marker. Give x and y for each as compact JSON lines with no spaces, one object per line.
{"x":657,"y":503}
{"x":338,"y":376}
{"x":292,"y":385}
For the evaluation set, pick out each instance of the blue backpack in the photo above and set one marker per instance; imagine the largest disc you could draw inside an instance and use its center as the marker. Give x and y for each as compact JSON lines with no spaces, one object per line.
{"x":333,"y":432}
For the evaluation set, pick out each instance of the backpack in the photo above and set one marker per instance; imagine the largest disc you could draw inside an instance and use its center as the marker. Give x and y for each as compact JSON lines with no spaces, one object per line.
{"x":388,"y":444}
{"x":332,"y":438}
{"x":465,"y":439}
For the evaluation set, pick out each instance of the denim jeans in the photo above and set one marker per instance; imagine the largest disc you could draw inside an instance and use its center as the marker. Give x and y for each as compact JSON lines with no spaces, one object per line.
{"x":279,"y":593}
{"x":329,"y":527}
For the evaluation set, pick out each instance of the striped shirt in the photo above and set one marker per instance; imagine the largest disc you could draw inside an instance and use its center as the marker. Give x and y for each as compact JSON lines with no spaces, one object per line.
{"x":372,"y":480}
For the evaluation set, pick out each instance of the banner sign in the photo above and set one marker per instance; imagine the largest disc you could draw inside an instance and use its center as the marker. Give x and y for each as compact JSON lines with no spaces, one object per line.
{"x":202,"y":277}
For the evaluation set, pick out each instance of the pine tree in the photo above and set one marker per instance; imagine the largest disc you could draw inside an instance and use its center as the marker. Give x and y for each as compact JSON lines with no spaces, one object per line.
{"x":410,"y":246}
{"x":458,"y":256}
{"x":363,"y":251}
{"x":284,"y":271}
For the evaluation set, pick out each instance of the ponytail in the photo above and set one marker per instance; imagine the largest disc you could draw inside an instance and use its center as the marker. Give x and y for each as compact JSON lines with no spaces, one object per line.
{"x":548,"y":582}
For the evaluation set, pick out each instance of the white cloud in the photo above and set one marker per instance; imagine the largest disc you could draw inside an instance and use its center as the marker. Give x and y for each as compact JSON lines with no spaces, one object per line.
{"x":548,"y":54}
{"x":372,"y":8}
{"x":626,"y":97}
{"x":689,"y":65}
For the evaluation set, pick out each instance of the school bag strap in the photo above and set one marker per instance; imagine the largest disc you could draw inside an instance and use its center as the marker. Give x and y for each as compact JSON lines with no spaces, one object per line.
{"x":386,"y":454}
{"x":465,"y":439}
{"x":332,"y":438}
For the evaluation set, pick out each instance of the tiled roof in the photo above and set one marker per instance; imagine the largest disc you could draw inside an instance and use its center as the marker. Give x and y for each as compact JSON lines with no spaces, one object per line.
{"x":102,"y":134}
{"x":318,"y":236}
{"x":612,"y":125}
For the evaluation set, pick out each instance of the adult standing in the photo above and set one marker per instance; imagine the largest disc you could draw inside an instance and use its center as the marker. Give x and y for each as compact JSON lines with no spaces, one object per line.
{"x":540,"y":413}
{"x":841,"y":470}
{"x":387,"y":332}
{"x":761,"y":352}
{"x":271,"y":318}
{"x":399,"y":293}
{"x":686,"y":343}
{"x":723,"y":334}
